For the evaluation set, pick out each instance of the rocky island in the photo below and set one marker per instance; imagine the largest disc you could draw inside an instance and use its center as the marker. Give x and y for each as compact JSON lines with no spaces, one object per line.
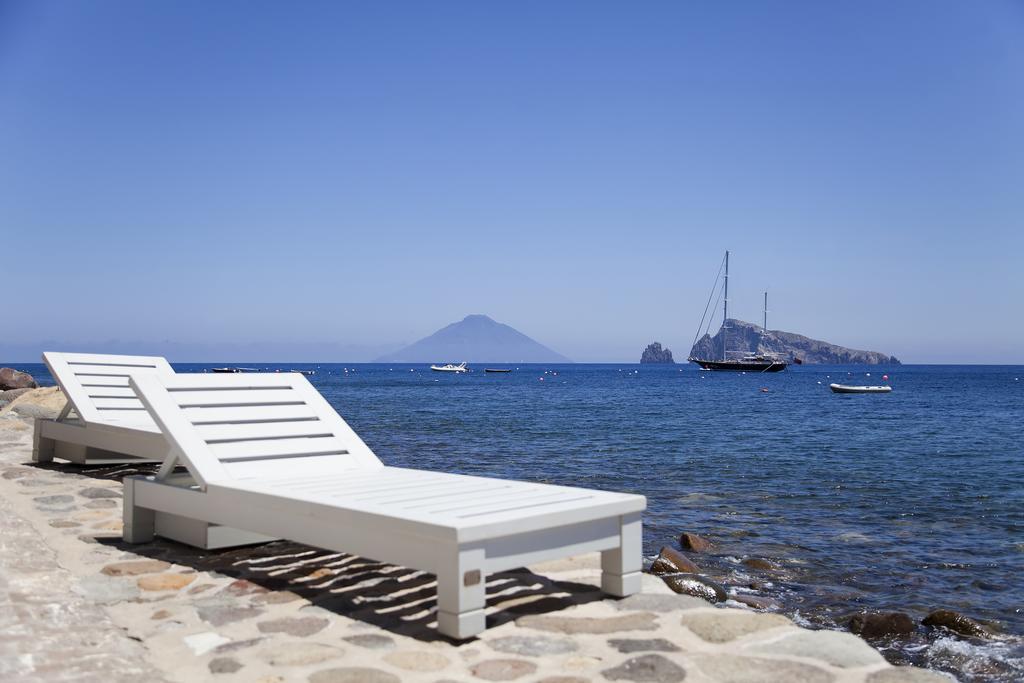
{"x":655,"y":354}
{"x":747,"y":337}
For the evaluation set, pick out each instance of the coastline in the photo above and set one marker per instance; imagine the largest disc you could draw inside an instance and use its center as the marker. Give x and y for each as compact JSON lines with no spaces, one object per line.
{"x":88,"y":605}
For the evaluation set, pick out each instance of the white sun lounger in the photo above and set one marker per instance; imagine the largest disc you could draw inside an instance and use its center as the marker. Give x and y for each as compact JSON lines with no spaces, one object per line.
{"x":103,"y":421}
{"x":270,"y":455}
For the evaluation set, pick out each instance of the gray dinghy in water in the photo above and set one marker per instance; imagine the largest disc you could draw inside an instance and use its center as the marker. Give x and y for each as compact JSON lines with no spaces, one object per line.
{"x":847,"y":389}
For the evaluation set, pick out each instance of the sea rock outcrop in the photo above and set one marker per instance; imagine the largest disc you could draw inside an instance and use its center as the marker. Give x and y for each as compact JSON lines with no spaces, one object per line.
{"x":654,"y":353}
{"x":748,"y":338}
{"x":694,"y":543}
{"x":671,"y":561}
{"x":696,"y":585}
{"x":956,"y":622}
{"x":881,"y":624}
{"x":15,"y":379}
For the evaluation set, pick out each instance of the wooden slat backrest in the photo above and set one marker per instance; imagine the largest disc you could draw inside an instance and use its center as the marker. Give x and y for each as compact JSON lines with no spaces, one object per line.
{"x":97,"y":385}
{"x":251,"y":425}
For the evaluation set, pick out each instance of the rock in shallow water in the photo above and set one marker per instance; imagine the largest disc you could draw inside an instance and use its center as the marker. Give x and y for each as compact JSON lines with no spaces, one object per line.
{"x":694,"y":543}
{"x":697,"y":586}
{"x":956,"y":622}
{"x":758,"y":563}
{"x":882,"y":624}
{"x":671,"y":561}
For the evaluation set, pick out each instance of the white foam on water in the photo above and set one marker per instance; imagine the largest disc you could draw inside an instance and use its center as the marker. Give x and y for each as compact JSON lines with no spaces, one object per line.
{"x":978,"y":658}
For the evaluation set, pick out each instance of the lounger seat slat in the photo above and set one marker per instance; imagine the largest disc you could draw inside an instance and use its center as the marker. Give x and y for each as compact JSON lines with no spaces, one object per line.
{"x":111,"y":370}
{"x":261,"y":430}
{"x":252,"y":450}
{"x":201,"y":416}
{"x":312,"y":465}
{"x":440,"y":491}
{"x":75,"y":359}
{"x":95,"y":381}
{"x":244,"y":397}
{"x":360,"y":486}
{"x":462,"y":504}
{"x":124,"y":403}
{"x":109,"y":392}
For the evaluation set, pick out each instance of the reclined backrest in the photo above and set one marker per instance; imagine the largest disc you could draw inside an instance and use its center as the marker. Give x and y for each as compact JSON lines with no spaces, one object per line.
{"x":251,"y":425}
{"x":97,"y":387}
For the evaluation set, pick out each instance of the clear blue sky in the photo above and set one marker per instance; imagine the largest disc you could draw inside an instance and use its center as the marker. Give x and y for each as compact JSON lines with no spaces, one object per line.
{"x":290,"y":177}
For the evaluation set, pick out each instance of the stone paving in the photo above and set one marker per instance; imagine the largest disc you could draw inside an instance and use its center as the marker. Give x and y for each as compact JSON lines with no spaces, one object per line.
{"x":78,"y":604}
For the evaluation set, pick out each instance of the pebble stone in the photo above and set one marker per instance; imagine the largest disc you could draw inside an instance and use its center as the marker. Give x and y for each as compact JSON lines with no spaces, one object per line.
{"x":300,"y":654}
{"x":353,"y":674}
{"x":293,"y":626}
{"x":641,"y":621}
{"x":224,"y":665}
{"x":654,"y":668}
{"x":503,"y":669}
{"x":165,"y":582}
{"x":97,"y":492}
{"x":630,"y":645}
{"x":843,"y":650}
{"x":54,"y":500}
{"x":220,"y":615}
{"x":721,"y":627}
{"x":564,"y":679}
{"x":100,"y":504}
{"x":135,"y":567}
{"x":655,"y":602}
{"x":532,"y":646}
{"x":732,"y":669}
{"x":372,"y":641}
{"x":416,"y":660}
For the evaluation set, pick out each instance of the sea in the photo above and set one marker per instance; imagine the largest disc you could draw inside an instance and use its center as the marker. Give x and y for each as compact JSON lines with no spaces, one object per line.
{"x":910,"y":501}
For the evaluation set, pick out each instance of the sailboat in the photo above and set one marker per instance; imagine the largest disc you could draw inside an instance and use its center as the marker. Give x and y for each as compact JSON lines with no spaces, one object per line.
{"x":745,"y":362}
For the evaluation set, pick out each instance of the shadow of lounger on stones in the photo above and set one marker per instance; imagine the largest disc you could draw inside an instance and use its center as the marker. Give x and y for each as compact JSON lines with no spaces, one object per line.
{"x":395,"y":598}
{"x":400,"y":600}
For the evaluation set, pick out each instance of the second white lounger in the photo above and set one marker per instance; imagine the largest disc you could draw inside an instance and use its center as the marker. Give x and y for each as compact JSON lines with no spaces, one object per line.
{"x":268,"y":454}
{"x":103,"y":421}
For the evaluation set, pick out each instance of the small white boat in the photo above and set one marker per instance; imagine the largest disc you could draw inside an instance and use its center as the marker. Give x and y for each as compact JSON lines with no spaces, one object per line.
{"x":848,"y":389}
{"x":450,"y":367}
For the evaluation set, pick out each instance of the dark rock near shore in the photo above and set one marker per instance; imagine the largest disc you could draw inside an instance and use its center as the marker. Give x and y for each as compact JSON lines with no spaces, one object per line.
{"x":671,"y":561}
{"x":15,"y":379}
{"x":694,"y":543}
{"x":757,"y":563}
{"x":746,"y":338}
{"x":696,"y":585}
{"x":880,"y":624}
{"x":956,"y":622}
{"x":754,"y":601}
{"x":655,"y":354}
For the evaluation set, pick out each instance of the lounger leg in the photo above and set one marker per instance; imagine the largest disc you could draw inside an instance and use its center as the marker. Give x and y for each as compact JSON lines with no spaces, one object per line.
{"x":139,"y":523}
{"x":620,"y":567}
{"x":42,"y":448}
{"x":461,"y":594}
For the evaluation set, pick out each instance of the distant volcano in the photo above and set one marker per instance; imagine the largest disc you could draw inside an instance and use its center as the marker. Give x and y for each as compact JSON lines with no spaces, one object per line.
{"x":475,"y":339}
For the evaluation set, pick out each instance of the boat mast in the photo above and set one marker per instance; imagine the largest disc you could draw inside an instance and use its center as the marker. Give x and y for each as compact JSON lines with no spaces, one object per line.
{"x":725,"y":309}
{"x":765,"y":325}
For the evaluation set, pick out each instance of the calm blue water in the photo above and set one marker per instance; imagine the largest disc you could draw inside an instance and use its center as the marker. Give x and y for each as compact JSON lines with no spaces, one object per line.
{"x":909,"y":501}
